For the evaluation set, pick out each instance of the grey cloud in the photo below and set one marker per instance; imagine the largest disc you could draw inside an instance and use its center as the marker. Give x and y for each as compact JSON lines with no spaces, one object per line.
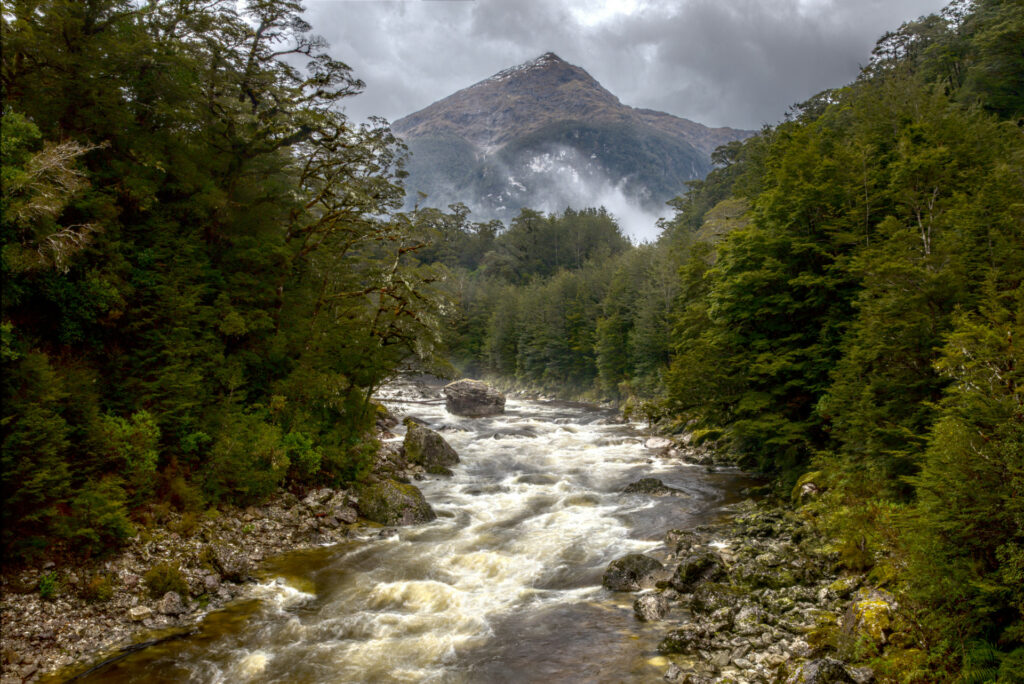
{"x":721,"y":62}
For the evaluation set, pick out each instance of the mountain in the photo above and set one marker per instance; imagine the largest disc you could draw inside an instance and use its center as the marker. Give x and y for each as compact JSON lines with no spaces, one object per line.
{"x":547,"y":135}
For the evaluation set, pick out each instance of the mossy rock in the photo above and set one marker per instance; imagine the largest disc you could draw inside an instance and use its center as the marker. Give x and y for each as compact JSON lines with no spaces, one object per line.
{"x":867,"y":623}
{"x":631,"y":573}
{"x":426,"y":448}
{"x":389,"y":502}
{"x":695,"y":568}
{"x":808,"y":487}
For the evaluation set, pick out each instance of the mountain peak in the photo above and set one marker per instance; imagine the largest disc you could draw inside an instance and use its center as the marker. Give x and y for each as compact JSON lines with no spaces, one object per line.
{"x":544,"y":62}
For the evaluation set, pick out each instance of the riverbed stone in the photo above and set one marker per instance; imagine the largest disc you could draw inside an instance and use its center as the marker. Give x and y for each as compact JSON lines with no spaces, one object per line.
{"x":139,"y":613}
{"x":171,"y":604}
{"x":426,"y":448}
{"x":674,"y":673}
{"x":472,"y":398}
{"x":651,"y":486}
{"x":389,"y":502}
{"x":232,"y":564}
{"x":688,"y":638}
{"x":681,"y":541}
{"x":650,"y":607}
{"x":697,"y":567}
{"x":347,"y":514}
{"x":632,"y":573}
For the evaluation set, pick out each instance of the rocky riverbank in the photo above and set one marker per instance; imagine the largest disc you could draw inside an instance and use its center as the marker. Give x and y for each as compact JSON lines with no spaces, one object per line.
{"x":167,"y":578}
{"x":185,"y":565}
{"x":759,"y":599}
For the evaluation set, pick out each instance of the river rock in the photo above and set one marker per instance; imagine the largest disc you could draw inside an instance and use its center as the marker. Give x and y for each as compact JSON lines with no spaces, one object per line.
{"x":347,"y":514}
{"x":689,"y":638}
{"x":426,"y":448}
{"x":658,"y":443}
{"x":650,"y":607}
{"x":674,"y":673}
{"x":701,"y":566}
{"x":473,"y":399}
{"x":651,"y":486}
{"x":232,"y":565}
{"x":681,"y":540}
{"x":631,"y":573}
{"x":139,"y":613}
{"x":821,"y":671}
{"x":389,"y":502}
{"x":171,"y":604}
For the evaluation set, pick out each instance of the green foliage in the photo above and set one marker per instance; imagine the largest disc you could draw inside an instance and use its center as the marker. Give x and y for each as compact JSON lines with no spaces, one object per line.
{"x":164,"y":577}
{"x":98,"y":519}
{"x":130,"y":447}
{"x":49,"y":585}
{"x":247,"y":461}
{"x":98,"y":589}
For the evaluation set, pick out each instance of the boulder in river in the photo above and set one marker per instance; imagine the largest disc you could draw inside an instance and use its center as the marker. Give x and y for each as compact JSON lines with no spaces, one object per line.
{"x":394,"y":503}
{"x":472,"y":398}
{"x":632,"y":573}
{"x":651,"y":486}
{"x":426,"y":448}
{"x":650,"y":607}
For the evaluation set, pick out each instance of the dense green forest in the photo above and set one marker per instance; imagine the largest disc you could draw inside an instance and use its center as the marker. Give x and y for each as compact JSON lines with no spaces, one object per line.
{"x":841,"y":299}
{"x":206,"y":275}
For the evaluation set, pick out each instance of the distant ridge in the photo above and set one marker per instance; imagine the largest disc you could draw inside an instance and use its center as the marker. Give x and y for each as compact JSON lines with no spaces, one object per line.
{"x":544,"y":134}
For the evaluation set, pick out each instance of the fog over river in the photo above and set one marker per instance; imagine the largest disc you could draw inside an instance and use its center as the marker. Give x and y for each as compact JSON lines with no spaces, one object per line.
{"x":505,"y":586}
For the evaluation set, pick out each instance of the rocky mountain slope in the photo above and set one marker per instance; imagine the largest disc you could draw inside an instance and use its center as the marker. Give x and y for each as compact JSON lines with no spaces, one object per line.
{"x":546,"y":134}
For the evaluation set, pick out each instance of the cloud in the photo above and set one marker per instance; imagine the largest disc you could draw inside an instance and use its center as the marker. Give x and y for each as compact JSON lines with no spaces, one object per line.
{"x":721,"y":62}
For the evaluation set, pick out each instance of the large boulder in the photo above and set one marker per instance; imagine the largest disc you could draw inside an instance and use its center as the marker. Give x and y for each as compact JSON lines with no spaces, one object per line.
{"x":425,"y":447}
{"x":393,"y":503}
{"x":632,"y":573}
{"x":473,"y":399}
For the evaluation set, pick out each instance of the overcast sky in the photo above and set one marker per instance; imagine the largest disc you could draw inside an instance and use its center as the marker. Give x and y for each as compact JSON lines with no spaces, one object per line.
{"x":720,"y":62}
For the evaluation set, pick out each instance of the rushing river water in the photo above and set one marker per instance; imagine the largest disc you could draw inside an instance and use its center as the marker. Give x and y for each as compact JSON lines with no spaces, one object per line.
{"x":503,"y":587}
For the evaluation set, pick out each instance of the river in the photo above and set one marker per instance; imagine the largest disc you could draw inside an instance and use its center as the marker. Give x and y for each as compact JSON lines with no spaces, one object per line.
{"x":505,"y":586}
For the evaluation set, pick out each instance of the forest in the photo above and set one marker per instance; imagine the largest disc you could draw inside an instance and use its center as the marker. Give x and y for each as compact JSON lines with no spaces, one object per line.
{"x":206,"y":275}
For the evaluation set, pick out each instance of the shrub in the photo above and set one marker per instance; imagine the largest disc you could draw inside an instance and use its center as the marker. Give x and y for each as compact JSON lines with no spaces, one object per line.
{"x":186,"y":526}
{"x":98,"y":588}
{"x":164,"y":577}
{"x":48,"y":585}
{"x":184,"y":496}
